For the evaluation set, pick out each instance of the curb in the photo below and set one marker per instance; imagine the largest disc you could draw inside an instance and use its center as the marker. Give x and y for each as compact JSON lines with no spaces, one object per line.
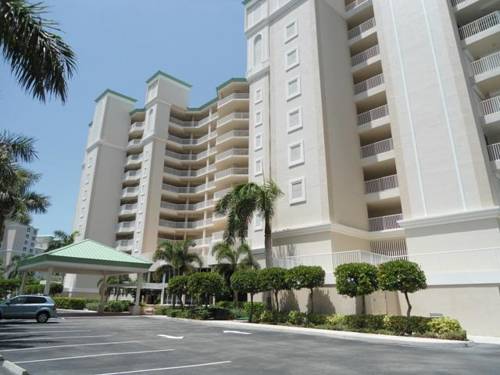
{"x":12,"y":368}
{"x":344,"y":335}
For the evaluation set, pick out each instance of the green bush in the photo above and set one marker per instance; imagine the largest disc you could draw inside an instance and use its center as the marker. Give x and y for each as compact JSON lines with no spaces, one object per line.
{"x":296,"y":318}
{"x":400,"y":324}
{"x":258,"y":309}
{"x":247,"y":281}
{"x":203,"y":285}
{"x":198,"y":313}
{"x":116,"y":306}
{"x":238,"y":313}
{"x":55,"y":289}
{"x":69,"y":303}
{"x":356,"y":279}
{"x":34,"y":289}
{"x":443,"y":325}
{"x":309,"y":277}
{"x":316,"y":319}
{"x":93,"y":306}
{"x":273,"y":279}
{"x":177,"y":286}
{"x":336,"y":321}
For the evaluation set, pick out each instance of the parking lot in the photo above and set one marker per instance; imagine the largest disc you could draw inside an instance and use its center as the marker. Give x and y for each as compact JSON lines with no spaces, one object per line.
{"x":145,"y":345}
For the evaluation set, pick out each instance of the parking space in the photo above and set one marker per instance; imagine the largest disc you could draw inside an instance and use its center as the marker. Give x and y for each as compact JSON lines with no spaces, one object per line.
{"x":142,"y":345}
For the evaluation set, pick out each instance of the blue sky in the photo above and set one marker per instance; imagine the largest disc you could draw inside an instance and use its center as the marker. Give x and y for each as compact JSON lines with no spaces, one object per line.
{"x":119,"y":44}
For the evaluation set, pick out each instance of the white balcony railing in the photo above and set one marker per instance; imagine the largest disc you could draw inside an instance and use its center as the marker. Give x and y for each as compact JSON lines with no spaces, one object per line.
{"x":494,"y":151}
{"x":232,"y":152}
{"x":377,"y":148}
{"x":184,"y":123}
{"x":134,"y":143}
{"x":126,"y":226}
{"x":491,"y":105}
{"x":130,"y":191}
{"x":207,"y":120}
{"x":128,"y":208}
{"x":380,"y":184}
{"x":231,"y":171}
{"x":188,"y":190}
{"x":132,"y":175}
{"x":373,"y":114}
{"x":131,"y":159}
{"x":480,"y":25}
{"x":368,"y":84}
{"x":457,"y":2}
{"x":231,"y":117}
{"x":233,"y":96}
{"x":136,"y":126}
{"x":217,"y":237}
{"x":365,"y":55}
{"x":186,"y":206}
{"x":354,"y":4}
{"x":384,"y":222}
{"x":124,"y":245}
{"x":232,"y":134}
{"x":361,"y":28}
{"x":221,"y":193}
{"x":186,"y":224}
{"x":486,"y":64}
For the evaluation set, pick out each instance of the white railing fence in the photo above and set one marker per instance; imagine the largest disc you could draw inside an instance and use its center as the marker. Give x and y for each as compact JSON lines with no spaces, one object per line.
{"x":380,"y":184}
{"x":486,"y":63}
{"x":365,"y":55}
{"x":361,"y":28}
{"x":373,"y":114}
{"x":368,"y":84}
{"x":491,"y":105}
{"x":494,"y":151}
{"x":377,"y":148}
{"x":480,"y":25}
{"x":354,"y":4}
{"x":384,"y":222}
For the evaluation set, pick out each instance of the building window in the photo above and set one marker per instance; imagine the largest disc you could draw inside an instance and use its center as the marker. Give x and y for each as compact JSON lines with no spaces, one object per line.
{"x":294,"y":119}
{"x":292,"y":59}
{"x":257,"y":50}
{"x":297,"y":191}
{"x":291,"y":31}
{"x":258,"y":141}
{"x":293,"y":88}
{"x":258,"y":96}
{"x":295,"y":153}
{"x":258,"y":118}
{"x":258,"y":223}
{"x":258,"y":167}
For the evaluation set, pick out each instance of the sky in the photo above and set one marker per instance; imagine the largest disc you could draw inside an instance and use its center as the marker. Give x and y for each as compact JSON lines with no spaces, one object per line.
{"x":119,"y":44}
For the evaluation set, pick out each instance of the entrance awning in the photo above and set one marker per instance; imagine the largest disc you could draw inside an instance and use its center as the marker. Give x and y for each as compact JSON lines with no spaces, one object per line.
{"x":85,"y":257}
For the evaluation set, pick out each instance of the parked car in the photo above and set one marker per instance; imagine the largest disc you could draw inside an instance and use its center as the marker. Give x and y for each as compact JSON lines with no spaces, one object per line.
{"x":41,"y":308}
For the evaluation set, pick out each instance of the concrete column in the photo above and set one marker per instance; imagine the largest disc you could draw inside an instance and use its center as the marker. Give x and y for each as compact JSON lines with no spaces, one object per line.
{"x":162,"y":298}
{"x":136,"y":310}
{"x":46,"y":290}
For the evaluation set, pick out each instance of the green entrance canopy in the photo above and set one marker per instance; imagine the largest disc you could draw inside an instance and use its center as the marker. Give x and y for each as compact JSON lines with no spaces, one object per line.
{"x":85,"y":257}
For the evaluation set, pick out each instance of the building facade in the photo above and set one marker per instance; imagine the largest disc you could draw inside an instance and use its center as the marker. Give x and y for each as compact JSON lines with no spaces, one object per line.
{"x":155,"y":173}
{"x":379,"y":120}
{"x":18,"y":240}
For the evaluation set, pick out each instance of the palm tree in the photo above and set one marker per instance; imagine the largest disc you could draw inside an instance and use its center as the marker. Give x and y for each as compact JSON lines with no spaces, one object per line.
{"x":241,"y":203}
{"x":39,"y":59}
{"x":61,"y":239}
{"x":231,"y":259}
{"x":178,"y":255}
{"x":13,"y":150}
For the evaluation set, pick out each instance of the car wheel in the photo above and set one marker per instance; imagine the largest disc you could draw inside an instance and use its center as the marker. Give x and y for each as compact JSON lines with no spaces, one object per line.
{"x":42,"y":317}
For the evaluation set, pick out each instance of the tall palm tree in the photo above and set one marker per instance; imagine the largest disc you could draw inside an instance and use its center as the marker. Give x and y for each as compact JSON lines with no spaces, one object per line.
{"x":14,"y":149}
{"x":240,"y":205}
{"x":178,"y":255}
{"x":61,"y":239}
{"x":231,"y":259}
{"x":39,"y":59}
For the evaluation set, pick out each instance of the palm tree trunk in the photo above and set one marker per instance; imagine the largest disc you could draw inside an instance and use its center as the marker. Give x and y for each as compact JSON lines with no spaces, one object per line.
{"x":268,"y":243}
{"x":312,"y":301}
{"x":251,"y":308}
{"x":277,"y":300}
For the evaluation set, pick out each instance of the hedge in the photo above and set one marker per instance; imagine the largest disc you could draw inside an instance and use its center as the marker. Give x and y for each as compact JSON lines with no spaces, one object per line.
{"x":70,"y":303}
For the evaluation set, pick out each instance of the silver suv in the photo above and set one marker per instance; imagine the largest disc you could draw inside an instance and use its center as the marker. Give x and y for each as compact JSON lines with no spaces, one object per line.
{"x":40,"y":308}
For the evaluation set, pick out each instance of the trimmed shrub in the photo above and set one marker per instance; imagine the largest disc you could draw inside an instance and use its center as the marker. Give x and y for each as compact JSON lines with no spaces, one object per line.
{"x":273,"y":279}
{"x":309,"y":277}
{"x":69,"y":303}
{"x":356,"y":279}
{"x":93,"y":306}
{"x":247,"y":281}
{"x":273,"y":317}
{"x":400,"y":324}
{"x":258,"y":309}
{"x":203,"y":285}
{"x":296,"y":318}
{"x":117,"y":306}
{"x":336,"y":322}
{"x":177,"y":286}
{"x":34,"y":289}
{"x":55,"y":289}
{"x":316,"y":319}
{"x":443,"y":325}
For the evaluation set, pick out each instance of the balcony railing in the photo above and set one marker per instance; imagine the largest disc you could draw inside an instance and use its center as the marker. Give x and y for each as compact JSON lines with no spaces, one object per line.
{"x":217,"y":237}
{"x":365,"y":55}
{"x":486,"y":64}
{"x":186,"y":206}
{"x":134,"y":143}
{"x":186,"y":224}
{"x":128,"y":208}
{"x":231,"y":152}
{"x":134,"y":158}
{"x":232,"y":134}
{"x":231,"y":171}
{"x":188,"y":190}
{"x":368,"y":84}
{"x":457,"y":2}
{"x":131,"y":175}
{"x":373,"y":114}
{"x":189,"y":173}
{"x":494,"y":151}
{"x":124,"y":245}
{"x":480,"y":25}
{"x":231,"y":117}
{"x":184,"y":123}
{"x":354,"y":4}
{"x":380,"y":184}
{"x":130,"y":191}
{"x":221,"y":193}
{"x":491,"y":105}
{"x":377,"y":148}
{"x":136,"y":126}
{"x":361,"y":28}
{"x":126,"y":226}
{"x":233,"y":96}
{"x":384,"y":222}
{"x":206,"y":120}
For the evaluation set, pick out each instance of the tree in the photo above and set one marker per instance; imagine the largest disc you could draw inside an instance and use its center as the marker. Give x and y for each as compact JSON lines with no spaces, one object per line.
{"x":240,"y":205}
{"x":39,"y":59}
{"x":178,"y":255}
{"x":177,"y":286}
{"x":247,"y":281}
{"x":309,"y":277}
{"x":17,"y":200}
{"x":231,"y":259}
{"x":402,"y":276}
{"x":61,"y":239}
{"x":274,"y":279}
{"x":203,"y":285}
{"x":356,"y":279}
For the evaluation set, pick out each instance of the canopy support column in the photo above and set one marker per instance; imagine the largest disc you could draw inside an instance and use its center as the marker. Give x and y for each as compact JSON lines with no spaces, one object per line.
{"x":48,"y":281}
{"x":136,"y":310}
{"x":162,"y":298}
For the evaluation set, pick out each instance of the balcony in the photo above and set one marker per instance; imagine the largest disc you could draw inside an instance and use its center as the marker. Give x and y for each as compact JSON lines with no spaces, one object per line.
{"x":184,"y":123}
{"x":374,"y":117}
{"x":388,"y":222}
{"x":128,"y":209}
{"x":377,"y":148}
{"x":130,"y":192}
{"x":234,"y":134}
{"x":136,"y":128}
{"x":189,"y":173}
{"x":190,"y":141}
{"x":237,"y":96}
{"x":132,"y":176}
{"x":494,"y":156}
{"x":370,"y":91}
{"x":230,"y":153}
{"x":355,"y":5}
{"x":481,"y":35}
{"x":490,"y":109}
{"x":363,"y":35}
{"x":124,"y":245}
{"x":221,"y":193}
{"x":366,"y":58}
{"x":217,"y":237}
{"x":233,"y":117}
{"x":188,"y":190}
{"x":133,"y":160}
{"x":187,"y":207}
{"x":230,"y":172}
{"x":486,"y":72}
{"x":186,"y":224}
{"x":380,"y":184}
{"x":126,"y":227}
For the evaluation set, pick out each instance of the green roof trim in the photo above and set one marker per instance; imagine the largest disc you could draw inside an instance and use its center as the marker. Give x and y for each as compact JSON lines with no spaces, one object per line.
{"x":231,"y":80}
{"x":88,"y":252}
{"x":163,"y":74}
{"x":108,"y":91}
{"x":245,"y":2}
{"x":203,"y":106}
{"x":137,"y":110}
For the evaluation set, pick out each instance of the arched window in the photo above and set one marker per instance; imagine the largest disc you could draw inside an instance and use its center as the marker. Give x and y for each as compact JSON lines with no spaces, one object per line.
{"x":257,"y":50}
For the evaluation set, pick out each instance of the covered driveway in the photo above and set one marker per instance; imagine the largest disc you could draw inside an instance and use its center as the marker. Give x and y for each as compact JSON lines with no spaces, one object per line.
{"x":90,"y":258}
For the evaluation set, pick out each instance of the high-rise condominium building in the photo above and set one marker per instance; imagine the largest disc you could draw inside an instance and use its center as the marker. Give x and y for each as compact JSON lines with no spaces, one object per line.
{"x":380,"y":121}
{"x":155,"y":173}
{"x":18,"y":240}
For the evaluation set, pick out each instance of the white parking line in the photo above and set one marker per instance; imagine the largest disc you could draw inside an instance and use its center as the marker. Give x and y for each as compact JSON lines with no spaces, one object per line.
{"x":75,"y":345}
{"x":238,"y":332}
{"x":54,"y":338}
{"x":46,"y":331}
{"x":166,"y":368}
{"x":172,"y":337}
{"x":93,"y":356}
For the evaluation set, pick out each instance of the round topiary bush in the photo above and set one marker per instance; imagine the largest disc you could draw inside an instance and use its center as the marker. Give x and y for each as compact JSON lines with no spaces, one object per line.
{"x":204,"y":285}
{"x":356,"y":279}
{"x":309,"y":277}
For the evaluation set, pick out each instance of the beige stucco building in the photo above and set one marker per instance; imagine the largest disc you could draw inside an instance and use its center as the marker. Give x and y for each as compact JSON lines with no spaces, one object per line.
{"x":18,"y":240}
